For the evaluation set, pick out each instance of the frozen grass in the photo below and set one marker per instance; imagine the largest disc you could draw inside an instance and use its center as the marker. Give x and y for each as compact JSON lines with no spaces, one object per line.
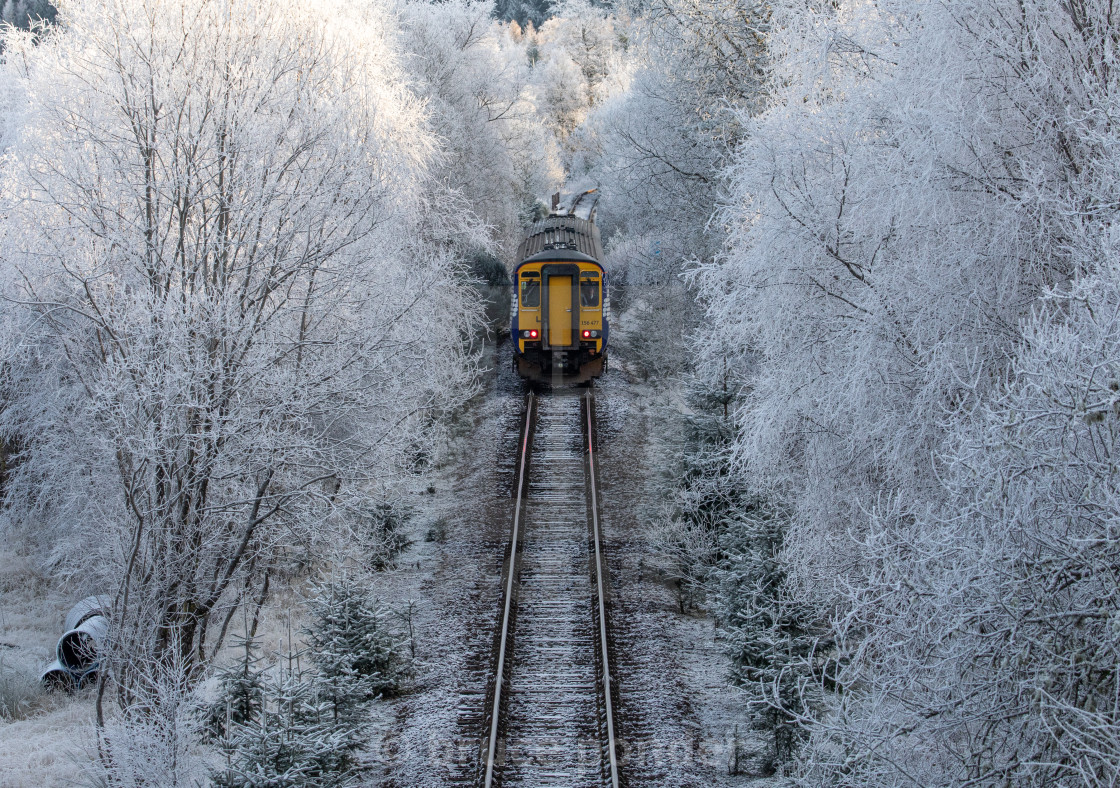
{"x":49,"y":748}
{"x":20,"y":693}
{"x":44,"y":734}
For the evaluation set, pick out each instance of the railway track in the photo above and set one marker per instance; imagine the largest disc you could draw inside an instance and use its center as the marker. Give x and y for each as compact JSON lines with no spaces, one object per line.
{"x":550,"y":709}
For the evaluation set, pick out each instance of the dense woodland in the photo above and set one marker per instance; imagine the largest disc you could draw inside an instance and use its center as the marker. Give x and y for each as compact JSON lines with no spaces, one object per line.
{"x":872,"y":246}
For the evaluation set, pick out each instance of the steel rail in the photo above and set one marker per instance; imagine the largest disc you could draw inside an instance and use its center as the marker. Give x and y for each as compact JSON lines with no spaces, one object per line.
{"x":611,"y":751}
{"x":499,"y":674}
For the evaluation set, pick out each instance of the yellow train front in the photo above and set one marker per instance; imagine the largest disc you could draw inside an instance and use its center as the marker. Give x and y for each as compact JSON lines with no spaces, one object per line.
{"x":560,"y":305}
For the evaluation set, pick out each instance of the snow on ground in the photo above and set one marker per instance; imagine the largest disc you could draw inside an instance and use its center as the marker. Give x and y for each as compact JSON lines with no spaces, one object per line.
{"x":434,"y":736}
{"x":678,"y":717}
{"x":41,"y":735}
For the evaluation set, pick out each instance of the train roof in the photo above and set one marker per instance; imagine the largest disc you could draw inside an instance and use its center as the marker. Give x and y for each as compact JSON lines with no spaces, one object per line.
{"x":562,"y":233}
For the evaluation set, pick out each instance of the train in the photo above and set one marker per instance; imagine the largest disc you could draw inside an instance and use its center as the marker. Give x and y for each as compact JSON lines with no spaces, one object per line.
{"x":560,"y":304}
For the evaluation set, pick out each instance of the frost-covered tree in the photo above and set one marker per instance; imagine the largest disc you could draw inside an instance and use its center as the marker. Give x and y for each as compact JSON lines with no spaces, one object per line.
{"x":24,"y":14}
{"x":496,"y":156}
{"x":153,"y":741}
{"x":719,"y":47}
{"x":349,"y":637}
{"x":579,"y":60}
{"x":240,"y":697}
{"x":209,"y":231}
{"x":669,"y":134}
{"x":702,"y":495}
{"x":294,"y":739}
{"x":661,"y":147}
{"x":926,"y":177}
{"x":767,"y":631}
{"x":587,"y":35}
{"x":304,"y":722}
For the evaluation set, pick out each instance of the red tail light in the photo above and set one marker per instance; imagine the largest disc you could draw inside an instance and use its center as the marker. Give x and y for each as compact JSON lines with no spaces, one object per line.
{"x":533,"y":333}
{"x":586,"y":334}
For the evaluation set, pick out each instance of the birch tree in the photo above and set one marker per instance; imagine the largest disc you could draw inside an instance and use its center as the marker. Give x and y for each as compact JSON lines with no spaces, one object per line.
{"x":228,"y":332}
{"x":496,"y":157}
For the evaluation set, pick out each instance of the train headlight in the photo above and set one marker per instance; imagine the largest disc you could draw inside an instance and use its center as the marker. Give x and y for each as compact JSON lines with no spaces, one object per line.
{"x":592,"y":334}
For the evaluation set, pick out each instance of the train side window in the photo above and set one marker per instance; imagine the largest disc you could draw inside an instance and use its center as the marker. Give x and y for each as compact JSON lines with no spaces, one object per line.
{"x":589,"y":292}
{"x":530,"y":293}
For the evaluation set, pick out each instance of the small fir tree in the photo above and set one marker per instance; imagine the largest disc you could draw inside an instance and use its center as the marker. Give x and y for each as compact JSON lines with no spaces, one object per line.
{"x":295,"y":740}
{"x":305,"y":727}
{"x":358,"y":654}
{"x":240,"y":695}
{"x":705,"y":492}
{"x":764,"y":630}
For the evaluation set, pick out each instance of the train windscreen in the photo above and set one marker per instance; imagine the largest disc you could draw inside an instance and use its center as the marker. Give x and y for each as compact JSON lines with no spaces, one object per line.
{"x":589,"y":292}
{"x":530,"y":293}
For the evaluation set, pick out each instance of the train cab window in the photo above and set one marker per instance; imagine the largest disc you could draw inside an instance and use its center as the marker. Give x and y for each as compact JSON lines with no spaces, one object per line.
{"x":530,"y":291}
{"x":589,"y":292}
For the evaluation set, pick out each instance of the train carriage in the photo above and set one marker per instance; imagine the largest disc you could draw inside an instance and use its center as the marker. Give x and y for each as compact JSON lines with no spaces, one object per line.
{"x":560,"y":302}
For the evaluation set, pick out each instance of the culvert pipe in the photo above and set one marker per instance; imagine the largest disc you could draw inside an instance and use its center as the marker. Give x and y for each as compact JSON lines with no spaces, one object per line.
{"x":89,"y":678}
{"x":55,"y":678}
{"x":78,"y":648}
{"x":85,"y":609}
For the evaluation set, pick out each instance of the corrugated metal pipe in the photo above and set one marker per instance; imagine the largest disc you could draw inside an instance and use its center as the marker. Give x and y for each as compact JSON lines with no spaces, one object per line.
{"x":55,"y":677}
{"x":79,"y":649}
{"x":88,"y":608}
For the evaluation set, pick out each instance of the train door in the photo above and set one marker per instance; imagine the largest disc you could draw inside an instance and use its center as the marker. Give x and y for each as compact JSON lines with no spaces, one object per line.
{"x":560,"y":311}
{"x":560,"y":306}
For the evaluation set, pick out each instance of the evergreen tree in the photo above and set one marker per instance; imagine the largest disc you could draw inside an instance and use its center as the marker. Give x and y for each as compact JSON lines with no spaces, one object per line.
{"x":765,"y":631}
{"x":524,"y":12}
{"x":241,"y":695}
{"x":358,"y":655}
{"x":739,"y":572}
{"x":705,"y":492}
{"x":302,"y":726}
{"x":293,"y":740}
